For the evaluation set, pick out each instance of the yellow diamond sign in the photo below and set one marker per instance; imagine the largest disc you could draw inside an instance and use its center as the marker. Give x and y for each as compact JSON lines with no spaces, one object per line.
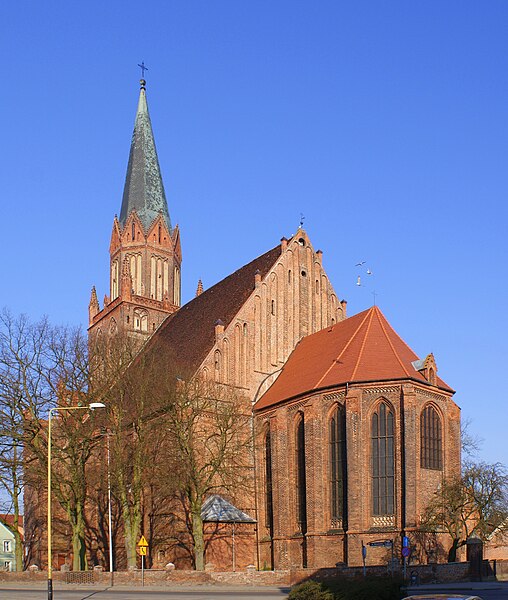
{"x":142,"y":542}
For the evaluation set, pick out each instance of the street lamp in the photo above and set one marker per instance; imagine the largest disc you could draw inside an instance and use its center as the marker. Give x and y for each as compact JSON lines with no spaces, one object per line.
{"x":91,"y":406}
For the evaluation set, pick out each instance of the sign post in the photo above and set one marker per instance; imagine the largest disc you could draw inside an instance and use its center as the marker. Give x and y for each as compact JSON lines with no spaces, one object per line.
{"x":142,"y":546}
{"x":364,"y":556}
{"x":406,"y":552}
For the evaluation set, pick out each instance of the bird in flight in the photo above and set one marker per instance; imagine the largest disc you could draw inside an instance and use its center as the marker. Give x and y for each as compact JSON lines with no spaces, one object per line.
{"x":360,"y":264}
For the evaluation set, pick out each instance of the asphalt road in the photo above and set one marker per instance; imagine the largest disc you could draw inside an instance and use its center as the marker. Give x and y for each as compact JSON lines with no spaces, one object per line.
{"x":117,"y":593}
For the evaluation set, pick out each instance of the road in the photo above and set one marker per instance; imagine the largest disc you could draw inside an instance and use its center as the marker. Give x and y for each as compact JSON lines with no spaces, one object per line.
{"x":119,"y":593}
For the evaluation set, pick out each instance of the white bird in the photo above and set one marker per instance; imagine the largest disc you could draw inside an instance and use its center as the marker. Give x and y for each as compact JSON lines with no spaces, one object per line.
{"x":358,"y":281}
{"x":369,"y":272}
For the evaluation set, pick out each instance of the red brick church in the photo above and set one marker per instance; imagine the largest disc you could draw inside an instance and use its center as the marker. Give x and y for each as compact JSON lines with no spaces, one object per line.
{"x":356,"y":430}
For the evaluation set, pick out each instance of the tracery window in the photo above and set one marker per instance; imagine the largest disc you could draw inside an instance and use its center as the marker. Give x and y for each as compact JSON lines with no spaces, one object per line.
{"x":431,"y":439}
{"x":382,"y":437}
{"x":140,"y":320}
{"x":301,"y":484}
{"x":268,"y":483}
{"x":337,"y":467}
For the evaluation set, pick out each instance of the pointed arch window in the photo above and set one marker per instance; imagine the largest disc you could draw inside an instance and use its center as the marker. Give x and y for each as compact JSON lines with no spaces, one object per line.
{"x":431,"y":455}
{"x":301,"y":484}
{"x":268,"y":483}
{"x":338,"y":487}
{"x":383,"y":463}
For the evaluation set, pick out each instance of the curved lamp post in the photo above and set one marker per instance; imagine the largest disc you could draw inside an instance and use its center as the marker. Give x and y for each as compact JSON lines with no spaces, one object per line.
{"x":91,"y":406}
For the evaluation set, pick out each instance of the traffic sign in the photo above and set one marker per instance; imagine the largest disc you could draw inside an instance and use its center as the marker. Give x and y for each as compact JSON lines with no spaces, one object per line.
{"x":142,"y":550}
{"x":142,"y":542}
{"x":405,"y":541}
{"x":406,"y":552}
{"x":385,"y":543}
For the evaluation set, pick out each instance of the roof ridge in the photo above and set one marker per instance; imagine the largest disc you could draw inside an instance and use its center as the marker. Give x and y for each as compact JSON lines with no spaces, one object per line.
{"x":371,"y":315}
{"x":346,"y":346}
{"x":391,"y":345}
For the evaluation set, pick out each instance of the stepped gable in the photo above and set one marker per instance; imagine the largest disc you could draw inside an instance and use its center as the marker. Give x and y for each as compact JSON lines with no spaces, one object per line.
{"x":189,"y":334}
{"x":363,"y":348}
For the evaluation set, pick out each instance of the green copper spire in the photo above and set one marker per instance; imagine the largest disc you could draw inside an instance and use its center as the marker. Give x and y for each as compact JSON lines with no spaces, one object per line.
{"x":144,"y":190}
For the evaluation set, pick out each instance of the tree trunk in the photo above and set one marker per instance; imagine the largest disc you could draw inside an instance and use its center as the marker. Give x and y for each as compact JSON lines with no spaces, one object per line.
{"x":131,"y":521}
{"x":77,"y":521}
{"x":18,"y":549}
{"x":452,"y":552}
{"x":199,"y":542}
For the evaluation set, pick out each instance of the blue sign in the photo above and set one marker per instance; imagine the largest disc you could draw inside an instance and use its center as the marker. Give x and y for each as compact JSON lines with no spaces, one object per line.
{"x":405,"y":542}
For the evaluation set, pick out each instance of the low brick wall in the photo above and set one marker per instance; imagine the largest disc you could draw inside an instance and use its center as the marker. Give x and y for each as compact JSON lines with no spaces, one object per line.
{"x":441,"y":573}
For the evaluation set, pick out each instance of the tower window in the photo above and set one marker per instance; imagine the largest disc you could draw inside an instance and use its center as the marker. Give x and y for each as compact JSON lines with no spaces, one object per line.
{"x":273,"y":307}
{"x":133,"y":231}
{"x":289,"y":276}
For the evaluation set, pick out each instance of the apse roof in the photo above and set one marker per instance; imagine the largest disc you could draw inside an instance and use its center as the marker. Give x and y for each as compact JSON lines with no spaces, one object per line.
{"x":362,"y":348}
{"x":144,"y":189}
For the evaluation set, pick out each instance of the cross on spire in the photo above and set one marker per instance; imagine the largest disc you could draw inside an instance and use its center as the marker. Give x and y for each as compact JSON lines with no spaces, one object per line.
{"x":143,"y":69}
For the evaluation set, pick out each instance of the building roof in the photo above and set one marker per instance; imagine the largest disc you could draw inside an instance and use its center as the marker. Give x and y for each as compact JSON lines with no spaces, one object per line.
{"x":189,"y":334}
{"x":144,"y":190}
{"x":362,"y":348}
{"x":218,"y":510}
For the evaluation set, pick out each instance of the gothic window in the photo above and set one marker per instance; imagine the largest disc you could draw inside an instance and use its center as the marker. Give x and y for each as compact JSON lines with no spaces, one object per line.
{"x":337,"y":466}
{"x":113,"y":329}
{"x":301,"y":487}
{"x":273,"y":307}
{"x":317,"y":286}
{"x":382,"y":437}
{"x":133,"y":231}
{"x":217,"y":365}
{"x":140,"y":320}
{"x":289,"y":276}
{"x":431,"y":439}
{"x":268,"y":483}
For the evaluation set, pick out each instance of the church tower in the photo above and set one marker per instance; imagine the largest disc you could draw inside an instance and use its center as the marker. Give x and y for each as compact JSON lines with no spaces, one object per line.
{"x":145,"y":251}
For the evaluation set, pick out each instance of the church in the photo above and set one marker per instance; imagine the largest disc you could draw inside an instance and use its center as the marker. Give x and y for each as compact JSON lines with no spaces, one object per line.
{"x":355,"y":431}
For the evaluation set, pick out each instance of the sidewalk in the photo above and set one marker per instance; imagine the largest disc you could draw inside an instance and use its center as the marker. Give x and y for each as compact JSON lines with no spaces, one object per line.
{"x":458,"y":586}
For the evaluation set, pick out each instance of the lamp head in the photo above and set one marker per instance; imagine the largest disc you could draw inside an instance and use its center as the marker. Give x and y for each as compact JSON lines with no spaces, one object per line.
{"x":94,"y":405}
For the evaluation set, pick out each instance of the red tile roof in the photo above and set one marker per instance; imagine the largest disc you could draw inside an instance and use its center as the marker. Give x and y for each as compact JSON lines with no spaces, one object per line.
{"x":189,"y":334}
{"x":362,"y":348}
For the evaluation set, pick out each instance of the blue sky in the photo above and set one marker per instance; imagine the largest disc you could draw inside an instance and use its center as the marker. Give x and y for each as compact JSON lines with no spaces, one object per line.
{"x":384,"y":123}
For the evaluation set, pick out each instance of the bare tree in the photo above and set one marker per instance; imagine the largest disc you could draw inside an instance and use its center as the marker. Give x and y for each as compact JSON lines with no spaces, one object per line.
{"x":475,"y":504}
{"x":24,"y":394}
{"x":210,"y":426}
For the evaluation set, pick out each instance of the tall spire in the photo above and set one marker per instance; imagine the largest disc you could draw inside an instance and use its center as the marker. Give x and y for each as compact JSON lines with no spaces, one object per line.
{"x":144,"y":190}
